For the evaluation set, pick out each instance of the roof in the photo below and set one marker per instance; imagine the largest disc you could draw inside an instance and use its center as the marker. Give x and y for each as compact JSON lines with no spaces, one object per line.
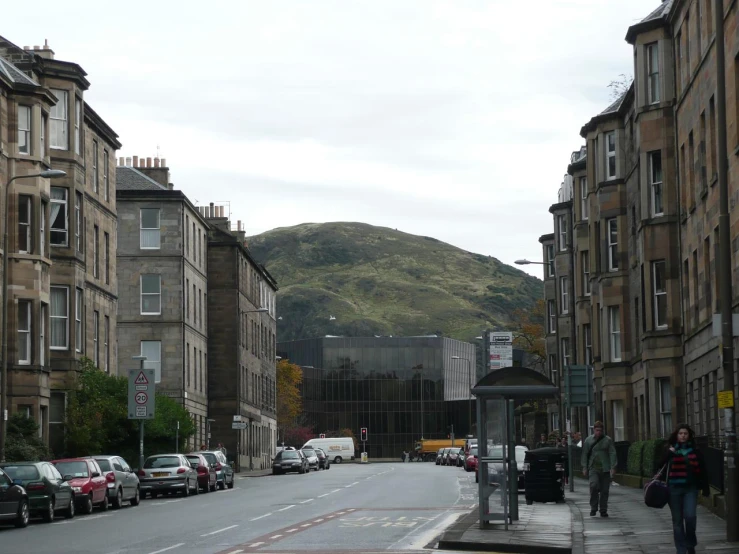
{"x":613,"y":108}
{"x":654,"y":20}
{"x":130,"y":178}
{"x":14,"y":74}
{"x":659,"y":12}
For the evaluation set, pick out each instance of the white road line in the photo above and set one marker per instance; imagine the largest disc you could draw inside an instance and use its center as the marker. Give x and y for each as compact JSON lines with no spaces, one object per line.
{"x":340,"y":513}
{"x":254,"y":545}
{"x":276,"y":537}
{"x":219,"y":531}
{"x":324,"y":495}
{"x":318,"y":521}
{"x":261,"y":517}
{"x":168,"y":548}
{"x":286,"y":507}
{"x":290,"y":530}
{"x":239,"y":550}
{"x":306,"y":501}
{"x":306,"y":525}
{"x":335,"y":490}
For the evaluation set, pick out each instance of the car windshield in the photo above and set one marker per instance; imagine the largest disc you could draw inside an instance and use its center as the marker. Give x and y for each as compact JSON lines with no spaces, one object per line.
{"x":194,"y":461}
{"x":289,"y":455}
{"x":320,"y":454}
{"x":75,"y":469}
{"x":162,"y":461}
{"x":104,"y":464}
{"x":22,"y":473}
{"x":473,"y":451}
{"x":210,"y":457}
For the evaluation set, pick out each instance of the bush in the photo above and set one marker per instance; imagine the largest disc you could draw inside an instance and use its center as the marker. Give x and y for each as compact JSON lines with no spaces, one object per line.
{"x":653,"y":451}
{"x":23,"y":443}
{"x":634,"y":463}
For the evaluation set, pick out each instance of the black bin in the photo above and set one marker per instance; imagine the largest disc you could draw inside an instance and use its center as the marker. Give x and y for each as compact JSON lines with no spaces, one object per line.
{"x":544,"y":471}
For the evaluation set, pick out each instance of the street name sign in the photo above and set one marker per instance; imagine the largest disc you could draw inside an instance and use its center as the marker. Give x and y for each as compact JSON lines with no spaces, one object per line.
{"x":238,"y":425}
{"x":141,"y":394}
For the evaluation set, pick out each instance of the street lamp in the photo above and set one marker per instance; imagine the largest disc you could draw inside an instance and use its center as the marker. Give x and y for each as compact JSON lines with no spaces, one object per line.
{"x":469,"y":398}
{"x":46,"y":174}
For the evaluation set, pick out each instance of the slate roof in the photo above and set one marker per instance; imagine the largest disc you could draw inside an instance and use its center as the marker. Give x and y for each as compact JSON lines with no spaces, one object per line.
{"x":613,"y":108}
{"x":14,"y":74}
{"x":130,"y":178}
{"x":660,"y":12}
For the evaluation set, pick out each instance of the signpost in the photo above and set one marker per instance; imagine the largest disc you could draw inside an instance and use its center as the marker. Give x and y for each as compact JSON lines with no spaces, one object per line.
{"x":501,"y":349}
{"x":238,"y":425}
{"x":363,"y":437}
{"x":141,"y":399}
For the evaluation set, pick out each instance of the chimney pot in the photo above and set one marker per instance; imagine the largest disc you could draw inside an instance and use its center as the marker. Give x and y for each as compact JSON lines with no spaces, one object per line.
{"x":156,"y":162}
{"x":212,"y":212}
{"x":26,"y":48}
{"x":36,"y":47}
{"x":148,"y":162}
{"x":121,"y":161}
{"x":164,"y":162}
{"x":135,"y":161}
{"x":128,"y":161}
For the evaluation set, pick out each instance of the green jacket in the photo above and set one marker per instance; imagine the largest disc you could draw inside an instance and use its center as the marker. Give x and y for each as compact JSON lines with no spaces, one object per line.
{"x":603,"y":451}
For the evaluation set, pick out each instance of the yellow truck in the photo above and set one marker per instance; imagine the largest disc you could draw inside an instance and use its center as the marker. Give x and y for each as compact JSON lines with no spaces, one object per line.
{"x":426,"y":449}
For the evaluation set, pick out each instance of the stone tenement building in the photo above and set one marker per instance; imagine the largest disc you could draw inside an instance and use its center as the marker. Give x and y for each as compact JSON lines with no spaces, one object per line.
{"x":632,"y":287}
{"x":163,"y":285}
{"x":62,"y":233}
{"x":242,"y":321}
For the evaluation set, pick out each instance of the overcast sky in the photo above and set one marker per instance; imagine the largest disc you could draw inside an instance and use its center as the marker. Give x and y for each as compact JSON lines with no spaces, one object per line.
{"x":452,"y":119}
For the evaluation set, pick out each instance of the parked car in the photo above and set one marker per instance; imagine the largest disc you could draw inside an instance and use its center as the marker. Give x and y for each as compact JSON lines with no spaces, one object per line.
{"x":495,"y":470}
{"x":13,"y":502}
{"x":207,"y":474}
{"x":323,"y":461}
{"x":470,"y":462}
{"x":168,"y":473}
{"x":122,"y":482}
{"x":460,"y":458}
{"x":310,"y":454}
{"x":87,"y":481}
{"x":290,"y":460}
{"x":338,"y":449}
{"x":452,"y":456}
{"x":46,"y":490}
{"x":439,"y":456}
{"x":224,"y":471}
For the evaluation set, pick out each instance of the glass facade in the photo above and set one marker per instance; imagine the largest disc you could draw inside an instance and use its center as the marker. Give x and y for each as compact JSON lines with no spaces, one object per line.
{"x":399,"y":388}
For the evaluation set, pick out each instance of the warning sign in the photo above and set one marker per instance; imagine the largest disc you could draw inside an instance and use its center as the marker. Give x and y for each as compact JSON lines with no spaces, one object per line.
{"x":141,"y":379}
{"x":725,"y":399}
{"x":141,"y":394}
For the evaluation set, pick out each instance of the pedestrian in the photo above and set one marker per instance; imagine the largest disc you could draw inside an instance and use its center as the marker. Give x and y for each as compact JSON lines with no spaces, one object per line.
{"x":542,"y":442}
{"x":599,"y":466}
{"x":686,"y":475}
{"x":577,"y":439}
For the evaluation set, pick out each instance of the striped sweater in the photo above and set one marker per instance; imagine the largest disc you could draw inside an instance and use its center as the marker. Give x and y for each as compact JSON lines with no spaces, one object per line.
{"x":686,"y":467}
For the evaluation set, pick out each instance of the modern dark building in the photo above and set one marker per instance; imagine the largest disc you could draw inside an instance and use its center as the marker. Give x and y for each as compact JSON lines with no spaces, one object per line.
{"x":400,"y":388}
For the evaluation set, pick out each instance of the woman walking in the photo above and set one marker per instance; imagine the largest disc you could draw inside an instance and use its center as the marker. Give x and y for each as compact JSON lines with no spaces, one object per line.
{"x":686,"y":475}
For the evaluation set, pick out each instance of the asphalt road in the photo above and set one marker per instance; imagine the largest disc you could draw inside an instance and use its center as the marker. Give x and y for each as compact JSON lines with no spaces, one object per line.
{"x":349,"y":508}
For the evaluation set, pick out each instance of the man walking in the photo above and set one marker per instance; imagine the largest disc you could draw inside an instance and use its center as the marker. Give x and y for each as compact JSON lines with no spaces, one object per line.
{"x":542,"y":441}
{"x":599,"y":465}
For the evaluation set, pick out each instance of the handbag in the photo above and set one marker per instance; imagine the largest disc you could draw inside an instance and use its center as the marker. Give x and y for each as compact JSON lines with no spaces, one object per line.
{"x":656,"y":492}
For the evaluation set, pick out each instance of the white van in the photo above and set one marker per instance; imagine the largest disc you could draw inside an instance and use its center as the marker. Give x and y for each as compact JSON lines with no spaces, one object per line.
{"x":338,"y":449}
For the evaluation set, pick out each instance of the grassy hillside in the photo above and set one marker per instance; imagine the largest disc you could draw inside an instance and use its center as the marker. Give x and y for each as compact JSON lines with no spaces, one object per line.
{"x":378,"y":281}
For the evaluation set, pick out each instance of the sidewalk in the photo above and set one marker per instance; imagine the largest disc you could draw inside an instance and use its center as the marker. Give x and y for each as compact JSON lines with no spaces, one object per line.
{"x":253,"y":473}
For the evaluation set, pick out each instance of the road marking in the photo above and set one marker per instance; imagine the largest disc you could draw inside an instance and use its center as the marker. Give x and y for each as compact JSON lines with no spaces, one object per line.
{"x":168,"y":548}
{"x":286,"y":507}
{"x":305,"y":525}
{"x":239,"y":550}
{"x":254,"y":545}
{"x":306,"y":501}
{"x":219,"y":531}
{"x":290,"y":530}
{"x":335,"y":490}
{"x":318,"y":521}
{"x":261,"y":517}
{"x":276,"y":537}
{"x":324,"y":495}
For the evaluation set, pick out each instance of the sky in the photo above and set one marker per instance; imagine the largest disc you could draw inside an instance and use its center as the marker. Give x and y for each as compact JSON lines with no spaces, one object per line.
{"x":451,"y":119}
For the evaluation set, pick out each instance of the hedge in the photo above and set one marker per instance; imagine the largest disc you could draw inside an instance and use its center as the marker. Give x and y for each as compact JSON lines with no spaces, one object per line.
{"x":652,"y":455}
{"x":635,"y":458}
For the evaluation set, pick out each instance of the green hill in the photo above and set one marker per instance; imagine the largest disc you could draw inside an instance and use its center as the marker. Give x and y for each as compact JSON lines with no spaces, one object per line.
{"x":378,"y":281}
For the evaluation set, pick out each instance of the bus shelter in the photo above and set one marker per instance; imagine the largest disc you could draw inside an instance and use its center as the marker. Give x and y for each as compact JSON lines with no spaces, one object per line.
{"x":496,"y":395}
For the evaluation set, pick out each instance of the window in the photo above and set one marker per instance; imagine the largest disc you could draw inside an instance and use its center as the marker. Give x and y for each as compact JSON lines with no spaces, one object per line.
{"x":707,"y":277}
{"x":150,"y":228}
{"x":59,"y":118}
{"x":77,"y":126}
{"x":564,"y":292}
{"x":188,"y":364}
{"x":612,"y":244}
{"x":106,"y":257}
{"x":584,"y":207}
{"x":59,"y":217}
{"x":78,"y":305}
{"x":96,"y":338}
{"x":106,"y":167}
{"x":187,"y":299}
{"x":78,"y":220}
{"x":187,"y":236}
{"x":151,"y":295}
{"x":24,"y":129}
{"x":690,"y":170}
{"x":42,"y":336}
{"x":152,"y":349}
{"x":106,"y":343}
{"x":585,"y":261}
{"x":25,"y":241}
{"x":659,"y":283}
{"x":194,"y":244}
{"x":552,"y":316}
{"x":653,"y":95}
{"x":565,"y":353}
{"x":618,"y":420}
{"x":194,"y":306}
{"x":688,"y":67}
{"x":614,"y":331}
{"x":96,"y":252}
{"x":200,"y":306}
{"x":44,"y":123}
{"x":712,"y":131}
{"x":611,"y":155}
{"x":562,"y":223}
{"x":59,"y":318}
{"x":587,"y":334}
{"x":655,"y":182}
{"x":95,"y":173}
{"x":24,"y":332}
{"x":42,"y":230}
{"x":549,"y":268}
{"x":665,"y":406}
{"x":679,"y":57}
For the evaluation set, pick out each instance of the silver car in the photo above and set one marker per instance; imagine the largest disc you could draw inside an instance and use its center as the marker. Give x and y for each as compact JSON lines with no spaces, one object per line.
{"x":168,"y":473}
{"x":122,"y":482}
{"x":312,"y":458}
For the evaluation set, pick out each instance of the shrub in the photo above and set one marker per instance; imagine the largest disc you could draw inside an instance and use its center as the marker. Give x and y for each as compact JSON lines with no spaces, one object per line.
{"x":635,"y":458}
{"x":653,"y":451}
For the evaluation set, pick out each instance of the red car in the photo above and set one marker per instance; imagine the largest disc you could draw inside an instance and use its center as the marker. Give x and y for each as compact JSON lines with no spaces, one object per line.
{"x":87,"y":481}
{"x":470,"y":462}
{"x":207,"y":475}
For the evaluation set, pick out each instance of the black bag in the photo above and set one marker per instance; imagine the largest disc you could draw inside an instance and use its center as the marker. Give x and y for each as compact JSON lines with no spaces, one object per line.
{"x":656,"y":492}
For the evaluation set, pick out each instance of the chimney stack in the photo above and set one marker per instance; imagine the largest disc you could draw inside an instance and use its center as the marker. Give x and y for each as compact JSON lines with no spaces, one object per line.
{"x":156,"y":162}
{"x":148,"y":162}
{"x":121,"y":161}
{"x":212,"y":211}
{"x":128,"y":161}
{"x":164,"y":162}
{"x":135,"y":161}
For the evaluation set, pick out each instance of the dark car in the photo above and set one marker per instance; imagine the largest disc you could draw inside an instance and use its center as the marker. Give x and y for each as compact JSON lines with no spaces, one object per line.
{"x":207,"y":474}
{"x":46,"y":490}
{"x":122,"y":482}
{"x":87,"y":481}
{"x":13,"y":502}
{"x":224,"y":471}
{"x":452,"y":456}
{"x":323,"y":461}
{"x":290,"y":460}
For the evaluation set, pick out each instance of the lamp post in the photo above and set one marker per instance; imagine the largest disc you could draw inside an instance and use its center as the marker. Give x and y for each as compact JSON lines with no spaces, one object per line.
{"x":469,"y":397}
{"x":4,"y":412}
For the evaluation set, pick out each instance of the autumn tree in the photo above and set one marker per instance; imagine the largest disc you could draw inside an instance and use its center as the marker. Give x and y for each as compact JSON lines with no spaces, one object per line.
{"x":289,"y":398}
{"x":529,"y":334}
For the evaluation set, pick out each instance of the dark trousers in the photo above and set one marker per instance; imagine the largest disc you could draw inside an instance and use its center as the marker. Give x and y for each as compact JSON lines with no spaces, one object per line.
{"x":684,"y":505}
{"x":600,"y":485}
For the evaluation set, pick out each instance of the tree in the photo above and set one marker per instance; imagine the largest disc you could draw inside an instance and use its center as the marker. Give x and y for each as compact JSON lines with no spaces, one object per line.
{"x":23,"y":442}
{"x":289,"y":398}
{"x":620,"y":86}
{"x":529,"y":334}
{"x":297,"y":436}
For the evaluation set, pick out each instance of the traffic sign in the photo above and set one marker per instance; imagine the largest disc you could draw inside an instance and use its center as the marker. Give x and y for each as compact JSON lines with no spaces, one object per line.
{"x":238,"y":425}
{"x":141,"y":394}
{"x":322,"y":435}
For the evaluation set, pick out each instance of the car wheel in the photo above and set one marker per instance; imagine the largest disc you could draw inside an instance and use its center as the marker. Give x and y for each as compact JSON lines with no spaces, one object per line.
{"x":337,"y":460}
{"x":529,"y":502}
{"x":21,"y":520}
{"x":196,"y":490}
{"x":69,"y":512}
{"x":118,"y":500}
{"x":222,"y":485}
{"x":275,"y":472}
{"x":87,"y":506}
{"x":186,"y":490}
{"x":104,"y":505}
{"x":136,"y":498}
{"x":213,"y":487}
{"x":231,"y":484}
{"x":477,"y":478}
{"x":48,"y":515}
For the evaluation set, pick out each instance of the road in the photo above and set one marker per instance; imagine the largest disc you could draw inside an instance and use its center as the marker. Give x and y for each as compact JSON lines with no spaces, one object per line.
{"x":349,"y":508}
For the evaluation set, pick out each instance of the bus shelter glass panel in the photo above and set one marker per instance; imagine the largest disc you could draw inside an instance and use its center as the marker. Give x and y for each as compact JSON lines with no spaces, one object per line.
{"x":492,"y":453}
